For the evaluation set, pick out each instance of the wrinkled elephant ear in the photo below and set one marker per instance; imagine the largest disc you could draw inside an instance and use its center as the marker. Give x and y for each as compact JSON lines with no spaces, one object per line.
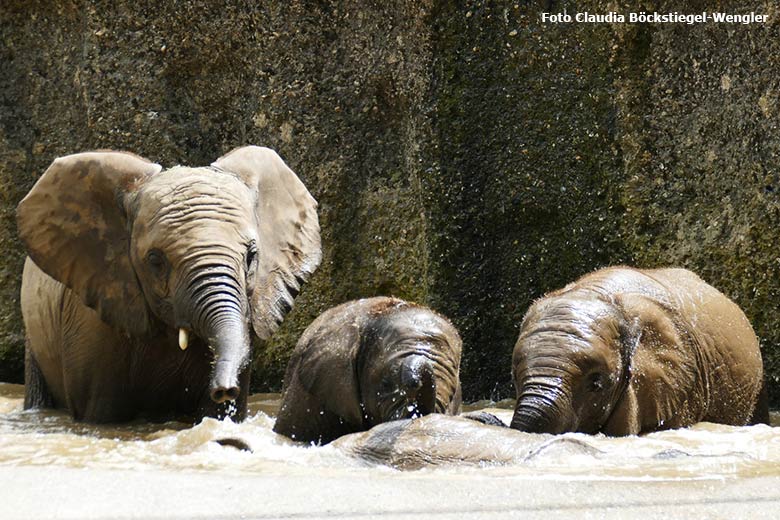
{"x":327,"y":367}
{"x":651,"y":344}
{"x":648,"y":322}
{"x":74,"y":226}
{"x":289,"y":232}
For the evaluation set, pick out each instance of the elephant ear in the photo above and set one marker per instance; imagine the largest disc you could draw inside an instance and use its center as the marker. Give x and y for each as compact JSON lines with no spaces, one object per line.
{"x":650,"y":329}
{"x":74,"y":226}
{"x":289,"y":232}
{"x":661,"y":365}
{"x":328,"y":366}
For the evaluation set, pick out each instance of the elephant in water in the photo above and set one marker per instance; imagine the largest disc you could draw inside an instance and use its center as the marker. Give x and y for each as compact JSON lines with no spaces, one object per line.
{"x":437,"y":439}
{"x":145,"y":289}
{"x":626,"y":351}
{"x":366,"y":362}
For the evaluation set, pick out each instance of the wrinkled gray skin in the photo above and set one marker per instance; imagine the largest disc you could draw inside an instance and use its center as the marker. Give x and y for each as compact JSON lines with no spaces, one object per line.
{"x":367,"y":362}
{"x":620,"y":351}
{"x":129,"y":264}
{"x":627,"y":351}
{"x":437,"y":439}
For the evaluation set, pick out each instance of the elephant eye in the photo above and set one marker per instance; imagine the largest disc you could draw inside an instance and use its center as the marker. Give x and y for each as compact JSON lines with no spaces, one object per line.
{"x":251,"y":254}
{"x":386,"y":386}
{"x":156,"y":259}
{"x":596,"y":382}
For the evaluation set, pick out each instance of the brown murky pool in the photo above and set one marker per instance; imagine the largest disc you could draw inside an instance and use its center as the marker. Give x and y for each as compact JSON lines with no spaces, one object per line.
{"x":706,"y":453}
{"x":35,"y":438}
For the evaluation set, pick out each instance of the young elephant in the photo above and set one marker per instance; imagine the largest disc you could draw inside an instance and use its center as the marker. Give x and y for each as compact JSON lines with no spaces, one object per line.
{"x":366,"y":362}
{"x":626,"y":351}
{"x":145,"y":289}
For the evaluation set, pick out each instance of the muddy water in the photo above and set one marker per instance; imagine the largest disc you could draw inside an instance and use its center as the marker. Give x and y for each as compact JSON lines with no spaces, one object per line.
{"x":50,"y":438}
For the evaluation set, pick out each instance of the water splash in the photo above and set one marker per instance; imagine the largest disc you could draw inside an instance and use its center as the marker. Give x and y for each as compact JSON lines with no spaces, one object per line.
{"x":52,"y":438}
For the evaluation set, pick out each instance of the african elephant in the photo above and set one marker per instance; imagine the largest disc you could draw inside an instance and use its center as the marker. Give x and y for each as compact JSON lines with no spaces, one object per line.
{"x":627,"y":351}
{"x":437,"y":439}
{"x":145,"y":289}
{"x":366,"y":362}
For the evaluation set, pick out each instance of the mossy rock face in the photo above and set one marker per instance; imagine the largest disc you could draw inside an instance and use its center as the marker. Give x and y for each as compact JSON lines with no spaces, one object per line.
{"x":465,"y":156}
{"x":523,"y":197}
{"x":704,"y":189}
{"x":336,"y":90}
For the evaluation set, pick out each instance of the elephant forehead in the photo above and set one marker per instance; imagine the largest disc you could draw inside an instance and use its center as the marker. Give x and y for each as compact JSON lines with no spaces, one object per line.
{"x":185,"y":206}
{"x":425,"y":320}
{"x":545,"y":347}
{"x":582,"y":317}
{"x":579,"y":309}
{"x":388,"y":353}
{"x":182,"y":188}
{"x":415,"y":326}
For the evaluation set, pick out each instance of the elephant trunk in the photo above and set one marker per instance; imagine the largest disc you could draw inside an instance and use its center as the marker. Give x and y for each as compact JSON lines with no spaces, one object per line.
{"x":229,"y":340}
{"x":220,"y":317}
{"x":534,"y":418}
{"x":418,"y":383}
{"x":542,"y":407}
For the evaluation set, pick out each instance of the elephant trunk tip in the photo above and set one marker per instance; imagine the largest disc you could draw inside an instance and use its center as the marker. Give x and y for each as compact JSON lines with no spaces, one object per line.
{"x":222,"y":394}
{"x":224,"y":382}
{"x":418,"y":383}
{"x":416,"y":371}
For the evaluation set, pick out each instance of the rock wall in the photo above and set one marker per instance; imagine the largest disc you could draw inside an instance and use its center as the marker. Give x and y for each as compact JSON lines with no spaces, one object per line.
{"x":464,"y":155}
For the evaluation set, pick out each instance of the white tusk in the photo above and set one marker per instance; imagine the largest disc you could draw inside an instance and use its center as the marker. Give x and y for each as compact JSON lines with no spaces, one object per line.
{"x":183,"y":340}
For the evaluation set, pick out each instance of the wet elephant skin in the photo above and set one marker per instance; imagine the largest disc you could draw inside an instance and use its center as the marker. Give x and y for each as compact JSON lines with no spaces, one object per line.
{"x":366,"y":362}
{"x":627,"y":351}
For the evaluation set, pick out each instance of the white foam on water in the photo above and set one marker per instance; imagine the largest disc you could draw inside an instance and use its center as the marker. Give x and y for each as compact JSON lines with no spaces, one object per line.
{"x":705,"y":451}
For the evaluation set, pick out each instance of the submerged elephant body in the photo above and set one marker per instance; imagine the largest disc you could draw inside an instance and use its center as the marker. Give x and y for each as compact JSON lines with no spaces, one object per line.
{"x":145,"y":289}
{"x":366,"y":362}
{"x":437,"y":439}
{"x":626,"y":351}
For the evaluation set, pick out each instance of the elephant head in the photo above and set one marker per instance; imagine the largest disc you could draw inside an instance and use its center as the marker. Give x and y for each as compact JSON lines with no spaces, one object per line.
{"x":366,"y":362}
{"x":213,"y":252}
{"x":571,"y":364}
{"x":407,"y":364}
{"x":625,"y":351}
